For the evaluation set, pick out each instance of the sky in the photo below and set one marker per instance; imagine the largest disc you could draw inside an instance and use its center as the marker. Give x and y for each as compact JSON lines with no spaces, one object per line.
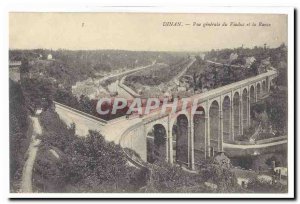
{"x":141,"y":31}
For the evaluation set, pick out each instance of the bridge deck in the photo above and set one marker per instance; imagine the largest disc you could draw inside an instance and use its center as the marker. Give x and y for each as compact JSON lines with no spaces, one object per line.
{"x":233,"y":86}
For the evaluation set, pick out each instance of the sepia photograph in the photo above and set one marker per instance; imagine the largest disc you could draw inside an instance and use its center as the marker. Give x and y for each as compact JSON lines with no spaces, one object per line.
{"x":150,"y":103}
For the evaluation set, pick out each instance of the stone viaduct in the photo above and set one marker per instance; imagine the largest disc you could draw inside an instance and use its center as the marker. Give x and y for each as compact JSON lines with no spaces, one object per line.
{"x":183,"y":137}
{"x":187,"y":138}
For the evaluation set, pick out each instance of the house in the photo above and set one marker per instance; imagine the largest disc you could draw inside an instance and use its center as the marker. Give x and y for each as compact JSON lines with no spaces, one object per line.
{"x":244,"y":176}
{"x":233,"y":56}
{"x":281,"y":170}
{"x":243,"y":181}
{"x":38,"y":111}
{"x":249,"y":61}
{"x":49,"y":57}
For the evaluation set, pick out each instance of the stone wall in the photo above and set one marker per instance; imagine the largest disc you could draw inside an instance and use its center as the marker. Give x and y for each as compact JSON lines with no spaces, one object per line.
{"x":82,"y":121}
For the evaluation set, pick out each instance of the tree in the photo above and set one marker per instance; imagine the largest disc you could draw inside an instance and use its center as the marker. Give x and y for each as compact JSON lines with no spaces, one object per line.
{"x":66,"y":97}
{"x":55,"y":132}
{"x":218,"y":171}
{"x":18,"y":138}
{"x":38,"y":93}
{"x":24,"y":66}
{"x":276,"y":108}
{"x":165,"y":178}
{"x":90,"y":164}
{"x":86,"y":105}
{"x":254,"y":67}
{"x":93,"y":157}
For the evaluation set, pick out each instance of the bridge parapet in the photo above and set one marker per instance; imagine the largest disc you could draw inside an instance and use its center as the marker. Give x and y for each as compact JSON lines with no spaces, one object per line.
{"x":233,"y":86}
{"x":62,"y":106}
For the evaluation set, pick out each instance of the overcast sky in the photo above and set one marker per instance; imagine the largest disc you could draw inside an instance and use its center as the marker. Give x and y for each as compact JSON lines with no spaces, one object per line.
{"x":142,"y":31}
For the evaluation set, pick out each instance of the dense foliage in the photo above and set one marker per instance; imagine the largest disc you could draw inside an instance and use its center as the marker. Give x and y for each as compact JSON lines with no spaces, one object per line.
{"x":85,"y":104}
{"x":38,"y":93}
{"x":258,"y":186}
{"x":260,"y":53}
{"x":67,"y":163}
{"x":90,"y":164}
{"x":85,"y":164}
{"x":209,"y":75}
{"x":68,"y":67}
{"x":213,"y":176}
{"x":272,"y":112}
{"x":18,"y":138}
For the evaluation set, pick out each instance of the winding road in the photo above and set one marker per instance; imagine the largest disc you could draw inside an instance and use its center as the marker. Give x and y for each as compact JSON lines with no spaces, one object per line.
{"x":26,"y":182}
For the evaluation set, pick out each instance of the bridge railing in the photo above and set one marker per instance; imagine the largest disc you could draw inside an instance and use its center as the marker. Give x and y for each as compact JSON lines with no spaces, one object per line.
{"x":102,"y":121}
{"x":81,"y":113}
{"x":233,"y":86}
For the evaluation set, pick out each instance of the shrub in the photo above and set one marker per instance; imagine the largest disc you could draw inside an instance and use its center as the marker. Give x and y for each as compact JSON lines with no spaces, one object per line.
{"x":259,"y":186}
{"x":86,"y":164}
{"x":167,"y":178}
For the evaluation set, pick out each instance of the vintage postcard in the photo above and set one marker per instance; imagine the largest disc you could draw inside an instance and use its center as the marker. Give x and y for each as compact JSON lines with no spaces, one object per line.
{"x":151,"y":104}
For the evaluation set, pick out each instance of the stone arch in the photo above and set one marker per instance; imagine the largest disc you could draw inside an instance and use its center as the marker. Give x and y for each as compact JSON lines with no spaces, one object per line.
{"x":180,"y":139}
{"x":214,"y":100}
{"x":228,"y":96}
{"x":226,"y":108}
{"x":214,"y":126}
{"x":174,"y":117}
{"x":199,"y":135}
{"x":271,"y":81}
{"x":272,"y":84}
{"x":264,"y":87}
{"x":245,"y":107}
{"x":156,"y":143}
{"x":236,"y":114}
{"x":252,"y":100}
{"x":252,"y":94}
{"x":258,"y":91}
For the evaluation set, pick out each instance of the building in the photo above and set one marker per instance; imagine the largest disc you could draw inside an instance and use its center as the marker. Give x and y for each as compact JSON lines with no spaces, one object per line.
{"x":233,"y":56}
{"x":14,"y":70}
{"x":49,"y":57}
{"x":249,"y":61}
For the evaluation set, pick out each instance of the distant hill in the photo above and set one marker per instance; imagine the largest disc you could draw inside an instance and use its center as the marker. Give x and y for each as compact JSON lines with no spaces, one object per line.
{"x":68,"y":67}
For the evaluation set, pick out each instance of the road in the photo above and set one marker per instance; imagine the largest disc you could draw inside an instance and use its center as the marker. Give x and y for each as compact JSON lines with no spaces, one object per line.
{"x":126,"y":72}
{"x":175,"y":80}
{"x":118,"y":88}
{"x":128,"y":92}
{"x":193,"y":59}
{"x":26,"y":182}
